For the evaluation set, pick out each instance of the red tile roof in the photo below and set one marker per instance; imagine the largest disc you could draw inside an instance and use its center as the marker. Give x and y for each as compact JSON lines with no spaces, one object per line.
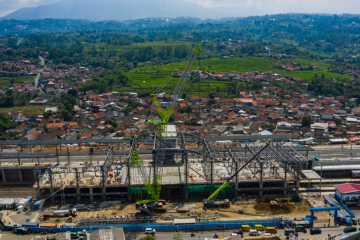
{"x":348,"y":187}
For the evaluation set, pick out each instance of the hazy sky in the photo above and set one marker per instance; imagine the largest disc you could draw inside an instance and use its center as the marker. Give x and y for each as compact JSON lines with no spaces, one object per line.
{"x":244,"y":7}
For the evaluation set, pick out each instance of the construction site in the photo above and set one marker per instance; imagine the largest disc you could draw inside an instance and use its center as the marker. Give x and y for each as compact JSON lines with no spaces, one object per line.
{"x":164,"y":174}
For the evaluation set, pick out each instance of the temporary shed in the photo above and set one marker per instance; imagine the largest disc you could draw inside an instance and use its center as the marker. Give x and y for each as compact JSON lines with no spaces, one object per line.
{"x":25,"y":202}
{"x":7,"y":203}
{"x":30,"y":224}
{"x":37,"y":205}
{"x":184,"y":221}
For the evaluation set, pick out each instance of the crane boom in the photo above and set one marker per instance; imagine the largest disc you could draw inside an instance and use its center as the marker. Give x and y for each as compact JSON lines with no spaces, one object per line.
{"x":182,"y":82}
{"x":225,"y":184}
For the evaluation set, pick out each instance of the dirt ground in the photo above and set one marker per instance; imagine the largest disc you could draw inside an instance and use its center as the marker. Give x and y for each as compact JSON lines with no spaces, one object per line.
{"x":252,"y":211}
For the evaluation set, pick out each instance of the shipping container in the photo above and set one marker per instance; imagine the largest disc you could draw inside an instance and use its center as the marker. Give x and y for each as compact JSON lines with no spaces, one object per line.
{"x":48,"y":225}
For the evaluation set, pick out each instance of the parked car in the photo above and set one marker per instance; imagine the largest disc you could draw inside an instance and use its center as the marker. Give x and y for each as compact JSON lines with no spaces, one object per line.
{"x":149,"y":231}
{"x":269,"y":234}
{"x":350,"y":229}
{"x":238,"y":232}
{"x":254,"y":233}
{"x":315,"y":231}
{"x":289,"y":231}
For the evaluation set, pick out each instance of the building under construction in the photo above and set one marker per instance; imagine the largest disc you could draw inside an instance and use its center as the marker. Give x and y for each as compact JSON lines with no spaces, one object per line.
{"x":190,"y":167}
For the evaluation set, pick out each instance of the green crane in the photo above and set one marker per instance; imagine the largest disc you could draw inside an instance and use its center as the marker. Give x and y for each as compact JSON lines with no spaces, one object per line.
{"x":165,"y":115}
{"x":153,"y":189}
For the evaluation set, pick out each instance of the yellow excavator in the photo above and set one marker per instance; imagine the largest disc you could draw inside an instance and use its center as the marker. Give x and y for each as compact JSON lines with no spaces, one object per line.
{"x":280,"y":203}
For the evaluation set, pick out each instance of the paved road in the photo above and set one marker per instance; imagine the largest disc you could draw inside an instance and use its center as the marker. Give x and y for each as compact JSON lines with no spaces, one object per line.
{"x":40,"y":71}
{"x":202,"y":235}
{"x":42,"y":60}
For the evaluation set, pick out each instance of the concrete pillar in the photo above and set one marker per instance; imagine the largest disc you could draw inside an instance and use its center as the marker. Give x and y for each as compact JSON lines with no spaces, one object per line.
{"x":3,"y":175}
{"x":78,"y":196}
{"x":236,"y":180}
{"x":297,"y":185}
{"x":52,"y":199}
{"x":38,"y":193}
{"x":261,"y":187}
{"x":91,"y":194}
{"x":104,"y":193}
{"x":261,"y":180}
{"x":285,"y":181}
{"x":20,"y":176}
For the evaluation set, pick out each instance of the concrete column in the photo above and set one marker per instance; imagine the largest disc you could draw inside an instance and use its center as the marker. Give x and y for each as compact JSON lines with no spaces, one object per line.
{"x":236,"y":180}
{"x":78,"y":196}
{"x":261,"y":187}
{"x":285,"y":181}
{"x":91,"y":194}
{"x":104,"y":193}
{"x":20,"y":176}
{"x":297,"y":185}
{"x":3,"y":175}
{"x":261,"y":180}
{"x":52,"y":199}
{"x":38,"y":193}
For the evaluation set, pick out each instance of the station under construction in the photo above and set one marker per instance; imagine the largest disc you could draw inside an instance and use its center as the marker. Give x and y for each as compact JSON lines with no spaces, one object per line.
{"x":190,"y":168}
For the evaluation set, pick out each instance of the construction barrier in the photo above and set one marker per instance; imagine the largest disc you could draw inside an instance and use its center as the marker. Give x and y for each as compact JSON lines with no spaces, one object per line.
{"x":218,"y":225}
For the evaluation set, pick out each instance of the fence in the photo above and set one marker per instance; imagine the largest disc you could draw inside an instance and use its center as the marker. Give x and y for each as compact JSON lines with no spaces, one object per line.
{"x":201,"y":225}
{"x":218,"y":225}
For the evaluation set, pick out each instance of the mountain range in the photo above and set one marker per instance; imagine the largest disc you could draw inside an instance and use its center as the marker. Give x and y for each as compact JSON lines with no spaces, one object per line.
{"x":99,"y":10}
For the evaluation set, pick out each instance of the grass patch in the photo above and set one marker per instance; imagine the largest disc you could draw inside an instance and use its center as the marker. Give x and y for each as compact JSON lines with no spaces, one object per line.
{"x":32,"y":109}
{"x":135,"y":46}
{"x":149,"y":77}
{"x":5,"y":81}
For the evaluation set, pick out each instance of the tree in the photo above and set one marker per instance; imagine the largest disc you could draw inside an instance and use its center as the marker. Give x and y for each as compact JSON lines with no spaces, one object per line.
{"x":268,"y":126}
{"x":306,"y":121}
{"x":73,"y":92}
{"x":66,"y":115}
{"x":111,"y":122}
{"x":337,"y":121}
{"x":12,"y":81}
{"x":47,"y":114}
{"x":149,"y":237}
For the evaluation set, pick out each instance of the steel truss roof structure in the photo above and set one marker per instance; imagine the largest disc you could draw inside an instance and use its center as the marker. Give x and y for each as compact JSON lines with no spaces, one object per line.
{"x":271,"y":164}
